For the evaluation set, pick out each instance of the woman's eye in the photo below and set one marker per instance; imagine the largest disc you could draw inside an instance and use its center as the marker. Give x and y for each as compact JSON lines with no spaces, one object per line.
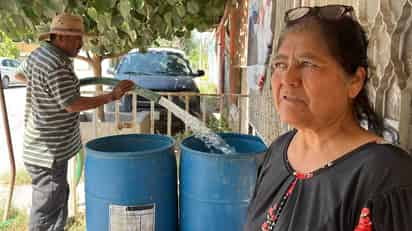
{"x":309,"y":64}
{"x":279,"y":66}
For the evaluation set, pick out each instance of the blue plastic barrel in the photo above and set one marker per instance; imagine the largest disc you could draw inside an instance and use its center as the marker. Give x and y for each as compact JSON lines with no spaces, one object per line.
{"x":130,"y":183}
{"x":215,"y":189}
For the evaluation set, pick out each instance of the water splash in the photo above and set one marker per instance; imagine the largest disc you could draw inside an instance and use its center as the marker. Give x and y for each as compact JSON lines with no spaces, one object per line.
{"x":213,"y":141}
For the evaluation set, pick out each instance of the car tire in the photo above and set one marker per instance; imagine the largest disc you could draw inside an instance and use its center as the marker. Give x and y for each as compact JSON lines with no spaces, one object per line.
{"x":5,"y":81}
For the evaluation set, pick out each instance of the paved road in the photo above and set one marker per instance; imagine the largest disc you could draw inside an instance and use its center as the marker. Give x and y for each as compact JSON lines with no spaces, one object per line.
{"x":15,"y":99}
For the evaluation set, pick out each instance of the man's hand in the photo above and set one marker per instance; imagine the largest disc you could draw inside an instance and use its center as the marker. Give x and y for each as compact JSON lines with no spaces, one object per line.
{"x":121,"y":88}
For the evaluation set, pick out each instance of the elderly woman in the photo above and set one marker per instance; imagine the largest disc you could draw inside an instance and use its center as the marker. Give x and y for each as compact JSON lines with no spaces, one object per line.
{"x":329,"y":173}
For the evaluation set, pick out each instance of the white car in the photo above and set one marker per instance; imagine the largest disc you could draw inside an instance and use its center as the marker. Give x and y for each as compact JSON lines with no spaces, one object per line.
{"x":8,"y":68}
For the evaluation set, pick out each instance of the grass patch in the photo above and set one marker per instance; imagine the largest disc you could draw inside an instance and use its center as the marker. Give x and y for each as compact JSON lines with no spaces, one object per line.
{"x":22,"y":177}
{"x":17,"y":221}
{"x":77,"y":223}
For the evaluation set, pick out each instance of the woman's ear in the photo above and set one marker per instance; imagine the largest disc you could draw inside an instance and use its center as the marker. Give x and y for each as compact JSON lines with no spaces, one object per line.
{"x":357,"y":82}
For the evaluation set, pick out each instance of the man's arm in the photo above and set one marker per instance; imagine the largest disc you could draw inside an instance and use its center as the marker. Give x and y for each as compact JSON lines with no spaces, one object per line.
{"x":81,"y":103}
{"x":86,"y":103}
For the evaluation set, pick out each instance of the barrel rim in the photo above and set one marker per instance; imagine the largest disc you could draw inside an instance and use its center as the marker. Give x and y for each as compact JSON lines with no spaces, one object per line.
{"x":132,"y":153}
{"x":229,"y":156}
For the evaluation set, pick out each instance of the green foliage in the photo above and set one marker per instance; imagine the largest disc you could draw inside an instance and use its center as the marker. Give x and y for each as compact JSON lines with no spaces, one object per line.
{"x":218,"y":125}
{"x":8,"y":47}
{"x":206,"y":87}
{"x":120,"y":25}
{"x":196,"y":48}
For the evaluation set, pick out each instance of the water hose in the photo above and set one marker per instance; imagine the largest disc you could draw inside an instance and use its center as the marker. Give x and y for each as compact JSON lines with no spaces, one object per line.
{"x":79,"y":167}
{"x":150,"y":95}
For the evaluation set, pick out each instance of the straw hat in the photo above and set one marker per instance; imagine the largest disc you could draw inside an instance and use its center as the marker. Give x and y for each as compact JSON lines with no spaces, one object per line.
{"x":65,"y":24}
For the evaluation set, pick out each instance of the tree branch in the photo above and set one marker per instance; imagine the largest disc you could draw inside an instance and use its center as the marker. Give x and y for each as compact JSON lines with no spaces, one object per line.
{"x":114,"y":55}
{"x":225,"y":16}
{"x":88,"y":60}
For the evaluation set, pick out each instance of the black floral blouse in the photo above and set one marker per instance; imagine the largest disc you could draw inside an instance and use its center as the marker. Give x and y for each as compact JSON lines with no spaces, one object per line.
{"x":369,"y":188}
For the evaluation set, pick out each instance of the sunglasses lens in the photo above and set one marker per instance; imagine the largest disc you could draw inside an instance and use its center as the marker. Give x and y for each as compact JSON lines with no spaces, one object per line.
{"x":332,"y":12}
{"x":297,"y":13}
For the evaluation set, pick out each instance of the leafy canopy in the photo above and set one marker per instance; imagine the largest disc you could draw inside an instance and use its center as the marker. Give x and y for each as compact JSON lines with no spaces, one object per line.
{"x":7,"y":47}
{"x":120,"y":25}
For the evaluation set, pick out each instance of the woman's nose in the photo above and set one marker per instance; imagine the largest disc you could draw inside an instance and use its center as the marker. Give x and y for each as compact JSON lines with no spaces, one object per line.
{"x":291,"y":76}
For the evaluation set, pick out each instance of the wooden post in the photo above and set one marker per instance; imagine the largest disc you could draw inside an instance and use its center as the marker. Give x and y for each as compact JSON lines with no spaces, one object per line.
{"x":234,"y":77}
{"x":134,"y":110}
{"x":243,"y":50}
{"x":203,"y":107}
{"x":11,"y":155}
{"x":152,"y":119}
{"x":187,"y":108}
{"x":72,"y":185}
{"x":169,"y":118}
{"x":117,"y":116}
{"x":222,"y":44}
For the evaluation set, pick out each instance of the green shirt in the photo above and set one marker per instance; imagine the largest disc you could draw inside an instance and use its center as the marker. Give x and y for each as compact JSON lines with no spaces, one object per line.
{"x":51,"y":133}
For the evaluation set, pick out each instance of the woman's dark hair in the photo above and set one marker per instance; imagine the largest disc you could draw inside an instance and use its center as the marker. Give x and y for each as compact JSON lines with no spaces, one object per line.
{"x":348,"y":43}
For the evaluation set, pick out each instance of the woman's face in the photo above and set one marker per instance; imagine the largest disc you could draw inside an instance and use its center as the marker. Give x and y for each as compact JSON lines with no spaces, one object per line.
{"x":310,"y":89}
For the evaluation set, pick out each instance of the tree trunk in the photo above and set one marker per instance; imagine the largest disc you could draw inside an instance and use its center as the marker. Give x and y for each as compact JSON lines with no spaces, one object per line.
{"x":234,"y":73}
{"x":242,"y":54}
{"x":97,"y":71}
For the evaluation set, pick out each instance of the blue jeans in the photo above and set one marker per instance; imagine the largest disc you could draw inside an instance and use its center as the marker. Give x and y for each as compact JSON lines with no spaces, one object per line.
{"x":49,"y":197}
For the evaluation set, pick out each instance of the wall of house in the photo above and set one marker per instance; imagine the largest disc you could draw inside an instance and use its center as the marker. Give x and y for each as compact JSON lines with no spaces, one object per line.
{"x":388,"y":23}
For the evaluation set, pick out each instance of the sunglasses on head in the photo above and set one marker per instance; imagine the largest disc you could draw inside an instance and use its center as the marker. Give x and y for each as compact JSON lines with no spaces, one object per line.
{"x":331,"y":12}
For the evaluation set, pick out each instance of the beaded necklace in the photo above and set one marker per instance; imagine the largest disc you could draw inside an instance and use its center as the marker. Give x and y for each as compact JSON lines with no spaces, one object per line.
{"x":275,"y":211}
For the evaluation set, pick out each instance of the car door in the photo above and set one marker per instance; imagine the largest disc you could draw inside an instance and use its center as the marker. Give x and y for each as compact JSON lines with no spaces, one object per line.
{"x":7,"y":69}
{"x":13,"y":65}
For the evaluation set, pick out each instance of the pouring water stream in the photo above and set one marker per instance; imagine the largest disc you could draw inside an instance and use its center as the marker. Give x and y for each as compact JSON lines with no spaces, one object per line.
{"x":212,"y":140}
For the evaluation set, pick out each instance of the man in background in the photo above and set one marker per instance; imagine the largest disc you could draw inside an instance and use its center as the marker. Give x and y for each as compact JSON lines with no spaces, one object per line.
{"x":52,"y":132}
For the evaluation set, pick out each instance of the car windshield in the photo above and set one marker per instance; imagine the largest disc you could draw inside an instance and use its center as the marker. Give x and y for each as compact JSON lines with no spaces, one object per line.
{"x":10,"y":63}
{"x":154,"y":63}
{"x":14,"y":63}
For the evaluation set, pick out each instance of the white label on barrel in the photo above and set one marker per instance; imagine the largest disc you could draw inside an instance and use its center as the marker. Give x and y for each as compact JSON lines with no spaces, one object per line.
{"x":132,"y":218}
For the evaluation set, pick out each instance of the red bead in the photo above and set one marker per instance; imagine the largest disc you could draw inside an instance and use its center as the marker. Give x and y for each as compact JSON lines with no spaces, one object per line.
{"x":365,"y":212}
{"x":271,"y":211}
{"x":265,"y":226}
{"x":365,"y":223}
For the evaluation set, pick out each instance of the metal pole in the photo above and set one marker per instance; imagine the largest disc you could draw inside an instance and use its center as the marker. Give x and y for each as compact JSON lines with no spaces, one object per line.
{"x":11,"y":155}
